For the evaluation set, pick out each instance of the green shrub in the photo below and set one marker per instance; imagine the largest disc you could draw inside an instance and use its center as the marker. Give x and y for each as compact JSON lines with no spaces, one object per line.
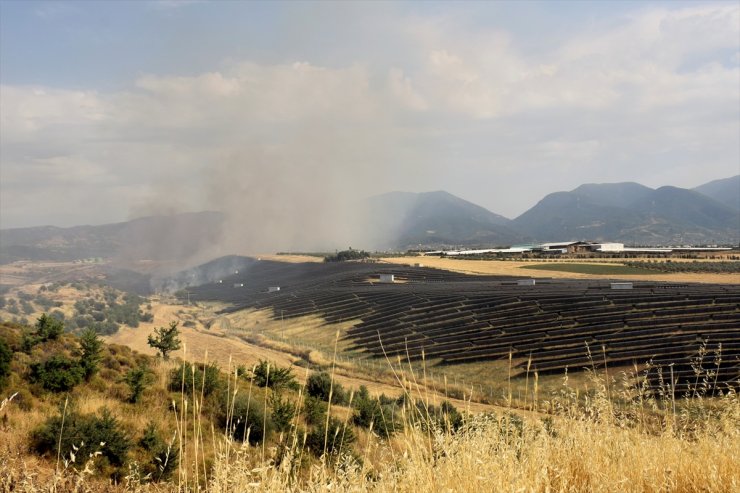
{"x":249,"y":420}
{"x":90,"y":347}
{"x":164,"y":456}
{"x":319,"y":385}
{"x":446,"y":416}
{"x":189,"y":377}
{"x":346,"y":255}
{"x":370,"y":411}
{"x":82,"y":435}
{"x":56,"y":374}
{"x":270,"y":375}
{"x":24,"y":296}
{"x":165,"y":339}
{"x":315,"y":410}
{"x":337,"y":440}
{"x":45,"y":302}
{"x":27,"y":307}
{"x":48,"y":328}
{"x":283,"y":412}
{"x":6,"y":355}
{"x":137,"y":380}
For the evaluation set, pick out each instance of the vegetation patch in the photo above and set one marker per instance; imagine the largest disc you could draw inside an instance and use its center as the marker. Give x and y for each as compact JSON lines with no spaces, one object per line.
{"x":595,"y":269}
{"x":690,"y":267}
{"x":346,"y":255}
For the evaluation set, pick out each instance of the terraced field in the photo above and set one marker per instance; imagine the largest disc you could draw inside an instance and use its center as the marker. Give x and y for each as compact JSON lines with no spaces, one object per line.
{"x":450,"y":318}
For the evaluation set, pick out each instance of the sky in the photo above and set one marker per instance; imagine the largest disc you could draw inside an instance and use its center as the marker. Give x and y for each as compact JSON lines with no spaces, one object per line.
{"x":282,"y":113}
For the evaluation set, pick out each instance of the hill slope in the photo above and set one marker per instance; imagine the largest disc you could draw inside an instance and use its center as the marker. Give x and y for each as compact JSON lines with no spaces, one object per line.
{"x":726,"y":191}
{"x":173,"y":237}
{"x":408,"y":220}
{"x":631,"y":213}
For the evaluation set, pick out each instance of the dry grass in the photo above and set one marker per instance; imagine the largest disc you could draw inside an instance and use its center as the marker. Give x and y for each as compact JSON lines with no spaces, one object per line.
{"x":513,"y":268}
{"x":603,"y":445}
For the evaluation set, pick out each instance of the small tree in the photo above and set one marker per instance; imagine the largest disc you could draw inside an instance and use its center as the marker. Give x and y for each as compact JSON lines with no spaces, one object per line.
{"x":137,"y":379}
{"x":6,"y":356}
{"x":90,"y":347}
{"x":320,"y":385}
{"x":165,"y":339}
{"x":273,"y":376}
{"x":283,"y":412}
{"x":48,"y":328}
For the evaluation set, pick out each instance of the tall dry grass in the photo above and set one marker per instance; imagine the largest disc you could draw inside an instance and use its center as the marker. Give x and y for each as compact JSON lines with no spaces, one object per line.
{"x":618,"y":438}
{"x":633,"y":442}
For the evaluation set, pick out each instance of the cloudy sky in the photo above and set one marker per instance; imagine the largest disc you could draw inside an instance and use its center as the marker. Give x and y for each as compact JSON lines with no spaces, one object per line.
{"x":112,"y":110}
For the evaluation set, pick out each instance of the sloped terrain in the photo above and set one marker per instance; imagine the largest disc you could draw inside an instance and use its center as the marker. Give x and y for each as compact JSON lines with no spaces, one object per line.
{"x":451,"y":318}
{"x":633,"y":214}
{"x":407,"y":220}
{"x":170,"y":238}
{"x":726,"y":191}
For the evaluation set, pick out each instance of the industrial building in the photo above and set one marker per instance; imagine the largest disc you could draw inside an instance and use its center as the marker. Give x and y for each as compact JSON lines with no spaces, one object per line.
{"x":576,"y":247}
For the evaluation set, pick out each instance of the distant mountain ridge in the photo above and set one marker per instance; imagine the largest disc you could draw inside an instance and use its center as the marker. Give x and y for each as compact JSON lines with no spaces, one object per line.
{"x":409,"y":220}
{"x":624,"y":212}
{"x":726,"y":191}
{"x":171,"y":237}
{"x":631,"y":213}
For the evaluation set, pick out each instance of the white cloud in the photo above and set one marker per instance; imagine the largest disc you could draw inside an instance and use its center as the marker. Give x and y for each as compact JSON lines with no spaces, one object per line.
{"x":464,"y":107}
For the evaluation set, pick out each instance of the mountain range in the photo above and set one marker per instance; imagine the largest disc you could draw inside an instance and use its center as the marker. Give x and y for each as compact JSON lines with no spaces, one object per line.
{"x":624,"y":212}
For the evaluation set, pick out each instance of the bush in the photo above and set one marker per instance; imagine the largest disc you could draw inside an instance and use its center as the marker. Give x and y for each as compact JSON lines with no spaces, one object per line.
{"x":314,"y":410}
{"x":45,"y":302}
{"x":371,"y":411}
{"x":164,"y":456}
{"x":248,"y":421}
{"x":106,"y":327}
{"x":27,"y":307}
{"x":6,"y":355}
{"x":283,"y":412}
{"x":337,"y":440}
{"x":446,"y":416}
{"x":90,"y":347}
{"x":137,"y":380}
{"x":56,"y":374}
{"x":48,"y":328}
{"x":274,"y":377}
{"x":195,"y":378}
{"x":319,"y":385}
{"x":82,"y":435}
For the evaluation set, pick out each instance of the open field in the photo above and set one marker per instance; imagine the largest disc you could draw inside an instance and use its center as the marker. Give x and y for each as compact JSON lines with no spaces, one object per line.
{"x":225,"y":343}
{"x":513,"y":268}
{"x":592,"y":268}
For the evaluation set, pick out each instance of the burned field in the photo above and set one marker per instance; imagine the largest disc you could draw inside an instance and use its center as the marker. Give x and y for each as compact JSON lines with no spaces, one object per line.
{"x":690,"y":333}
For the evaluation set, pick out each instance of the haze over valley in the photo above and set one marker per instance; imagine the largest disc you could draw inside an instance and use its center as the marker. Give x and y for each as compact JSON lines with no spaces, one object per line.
{"x":398,"y":246}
